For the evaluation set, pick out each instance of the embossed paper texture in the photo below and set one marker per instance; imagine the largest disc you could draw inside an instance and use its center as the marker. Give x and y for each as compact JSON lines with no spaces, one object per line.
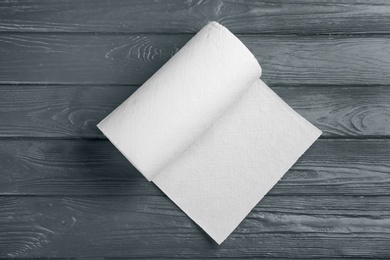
{"x":209,"y":133}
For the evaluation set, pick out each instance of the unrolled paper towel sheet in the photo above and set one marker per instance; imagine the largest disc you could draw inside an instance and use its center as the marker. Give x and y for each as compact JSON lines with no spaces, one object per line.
{"x":208,"y":132}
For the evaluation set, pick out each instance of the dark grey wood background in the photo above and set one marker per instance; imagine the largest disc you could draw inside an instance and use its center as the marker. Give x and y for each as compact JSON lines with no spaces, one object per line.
{"x":65,"y":191}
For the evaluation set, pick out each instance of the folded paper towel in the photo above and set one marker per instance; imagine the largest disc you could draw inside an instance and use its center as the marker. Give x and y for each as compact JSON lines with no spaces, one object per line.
{"x":208,"y":132}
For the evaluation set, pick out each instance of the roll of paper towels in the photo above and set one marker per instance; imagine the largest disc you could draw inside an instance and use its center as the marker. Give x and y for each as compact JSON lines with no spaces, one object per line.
{"x":208,"y":132}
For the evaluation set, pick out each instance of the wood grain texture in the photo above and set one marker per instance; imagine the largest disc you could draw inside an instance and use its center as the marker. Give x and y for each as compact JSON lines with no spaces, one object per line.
{"x":175,"y":16}
{"x":66,"y":192}
{"x":131,"y":60}
{"x":153,"y":227}
{"x":91,"y":167}
{"x":73,"y":111}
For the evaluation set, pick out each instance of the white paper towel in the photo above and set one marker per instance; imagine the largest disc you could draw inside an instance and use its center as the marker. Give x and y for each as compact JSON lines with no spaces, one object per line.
{"x":208,"y":132}
{"x":163,"y":117}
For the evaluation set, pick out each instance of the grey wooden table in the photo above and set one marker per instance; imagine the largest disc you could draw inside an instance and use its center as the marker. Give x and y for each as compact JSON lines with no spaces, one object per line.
{"x":65,"y":191}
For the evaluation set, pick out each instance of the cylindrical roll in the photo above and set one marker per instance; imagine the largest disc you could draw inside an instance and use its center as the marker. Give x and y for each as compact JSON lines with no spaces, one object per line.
{"x":182,"y":99}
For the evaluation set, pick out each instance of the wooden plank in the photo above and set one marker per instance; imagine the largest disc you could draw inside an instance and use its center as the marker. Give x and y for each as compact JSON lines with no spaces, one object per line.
{"x":150,"y":226}
{"x":91,"y":167}
{"x":130,"y":60}
{"x":73,"y":111}
{"x":175,"y":16}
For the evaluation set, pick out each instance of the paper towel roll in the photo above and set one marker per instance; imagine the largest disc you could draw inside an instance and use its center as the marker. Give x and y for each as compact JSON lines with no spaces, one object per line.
{"x":182,"y":99}
{"x":209,"y":133}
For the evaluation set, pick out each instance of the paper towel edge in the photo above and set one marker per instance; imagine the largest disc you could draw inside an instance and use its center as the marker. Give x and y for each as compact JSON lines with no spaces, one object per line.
{"x":219,"y":241}
{"x":313,"y":139}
